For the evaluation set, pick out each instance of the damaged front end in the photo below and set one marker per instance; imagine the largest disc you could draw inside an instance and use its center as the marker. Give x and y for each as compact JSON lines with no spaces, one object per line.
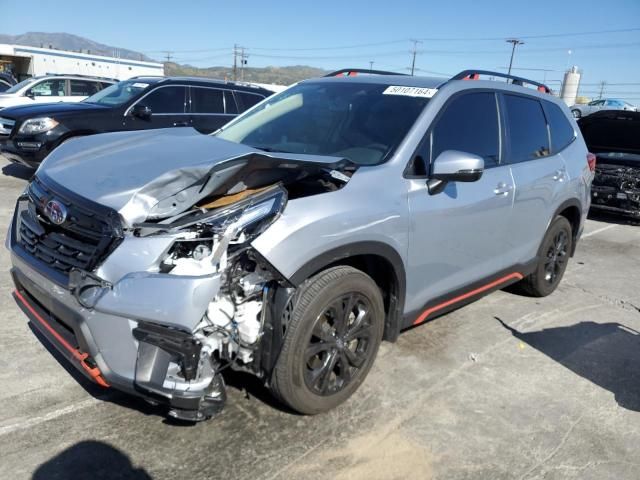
{"x":152,"y":276}
{"x":616,"y":188}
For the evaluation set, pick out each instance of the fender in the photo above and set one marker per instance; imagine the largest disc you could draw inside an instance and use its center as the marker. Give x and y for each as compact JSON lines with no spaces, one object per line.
{"x":393,"y":321}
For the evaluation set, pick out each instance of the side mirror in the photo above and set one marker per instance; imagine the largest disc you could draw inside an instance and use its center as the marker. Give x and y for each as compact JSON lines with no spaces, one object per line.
{"x":454,"y":166}
{"x":141,"y":111}
{"x":30,"y":94}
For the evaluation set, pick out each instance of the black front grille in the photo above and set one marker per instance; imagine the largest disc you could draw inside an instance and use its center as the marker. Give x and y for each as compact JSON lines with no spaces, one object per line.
{"x":86,"y":237}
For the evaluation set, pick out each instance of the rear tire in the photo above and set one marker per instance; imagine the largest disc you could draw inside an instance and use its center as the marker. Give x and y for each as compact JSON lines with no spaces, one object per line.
{"x":553,"y":257}
{"x":576,"y":113}
{"x":332,"y":338}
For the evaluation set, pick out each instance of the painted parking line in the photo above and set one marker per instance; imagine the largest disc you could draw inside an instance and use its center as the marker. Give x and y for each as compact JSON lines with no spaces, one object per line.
{"x":600,"y":230}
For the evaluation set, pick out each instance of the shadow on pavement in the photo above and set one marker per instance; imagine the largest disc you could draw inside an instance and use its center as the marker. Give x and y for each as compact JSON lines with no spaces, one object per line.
{"x":90,"y":460}
{"x":607,"y":354}
{"x":18,"y":171}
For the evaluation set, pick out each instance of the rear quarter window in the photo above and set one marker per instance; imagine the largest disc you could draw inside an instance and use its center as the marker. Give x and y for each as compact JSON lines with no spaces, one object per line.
{"x":561,"y":131}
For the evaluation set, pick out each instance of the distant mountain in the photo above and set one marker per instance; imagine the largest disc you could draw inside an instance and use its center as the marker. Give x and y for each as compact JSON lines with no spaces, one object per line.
{"x":274,"y":75}
{"x":67,"y":41}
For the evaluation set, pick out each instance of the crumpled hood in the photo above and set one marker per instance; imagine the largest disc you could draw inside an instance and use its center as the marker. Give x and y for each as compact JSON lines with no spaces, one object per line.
{"x":153,"y":174}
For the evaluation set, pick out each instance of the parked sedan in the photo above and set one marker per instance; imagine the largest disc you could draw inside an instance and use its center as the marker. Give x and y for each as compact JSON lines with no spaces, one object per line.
{"x":614,"y":137}
{"x":580,"y":111}
{"x":29,"y":133}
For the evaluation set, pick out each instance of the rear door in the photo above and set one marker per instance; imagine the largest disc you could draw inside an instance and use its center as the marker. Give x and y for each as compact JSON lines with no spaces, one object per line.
{"x":168,"y":104}
{"x":208,"y":112}
{"x":540,"y":175}
{"x":81,"y":89}
{"x":246,"y":100}
{"x":459,"y":236}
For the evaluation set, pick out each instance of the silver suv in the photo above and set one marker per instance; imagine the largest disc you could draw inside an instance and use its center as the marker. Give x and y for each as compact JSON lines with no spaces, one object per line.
{"x":295,"y":239}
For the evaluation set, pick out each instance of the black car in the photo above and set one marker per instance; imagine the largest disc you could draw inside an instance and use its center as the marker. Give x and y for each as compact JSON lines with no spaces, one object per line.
{"x":614,"y":136}
{"x":29,"y":133}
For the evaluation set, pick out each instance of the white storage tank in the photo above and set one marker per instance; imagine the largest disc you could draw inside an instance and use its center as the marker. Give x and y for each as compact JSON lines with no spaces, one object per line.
{"x":570,"y":85}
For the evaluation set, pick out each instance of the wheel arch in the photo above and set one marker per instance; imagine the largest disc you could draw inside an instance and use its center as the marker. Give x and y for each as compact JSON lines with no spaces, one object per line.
{"x":572,"y":211}
{"x":378,"y":260}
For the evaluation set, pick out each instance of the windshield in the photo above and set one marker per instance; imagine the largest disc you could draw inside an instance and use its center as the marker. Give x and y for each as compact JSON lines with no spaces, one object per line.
{"x":348,"y":120}
{"x":118,"y":93}
{"x":19,"y":86}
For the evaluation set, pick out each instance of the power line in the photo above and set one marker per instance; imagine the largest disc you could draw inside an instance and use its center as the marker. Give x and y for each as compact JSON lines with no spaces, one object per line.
{"x":400,"y":41}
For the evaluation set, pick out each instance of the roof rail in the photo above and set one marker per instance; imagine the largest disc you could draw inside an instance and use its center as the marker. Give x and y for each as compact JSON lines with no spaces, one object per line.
{"x":79,"y":75}
{"x":475,"y":75}
{"x":352,"y":72}
{"x":146,"y":76}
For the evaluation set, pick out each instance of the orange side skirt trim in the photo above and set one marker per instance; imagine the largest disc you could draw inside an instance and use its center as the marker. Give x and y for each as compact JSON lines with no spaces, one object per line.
{"x":429,"y":311}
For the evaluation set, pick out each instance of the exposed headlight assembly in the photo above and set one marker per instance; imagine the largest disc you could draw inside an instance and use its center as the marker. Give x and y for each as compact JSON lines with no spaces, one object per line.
{"x":208,"y":235}
{"x":33,"y":126}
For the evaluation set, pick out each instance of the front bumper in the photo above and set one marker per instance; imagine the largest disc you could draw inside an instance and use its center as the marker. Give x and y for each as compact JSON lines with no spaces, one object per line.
{"x":29,"y":151}
{"x":612,"y":200}
{"x":100,"y":341}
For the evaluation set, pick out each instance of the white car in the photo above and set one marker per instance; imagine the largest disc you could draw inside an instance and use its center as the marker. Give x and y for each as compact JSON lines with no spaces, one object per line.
{"x":52,"y":88}
{"x":579,"y":111}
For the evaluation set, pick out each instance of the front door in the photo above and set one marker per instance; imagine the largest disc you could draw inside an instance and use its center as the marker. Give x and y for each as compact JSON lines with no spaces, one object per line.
{"x":458,"y":237}
{"x":47,"y":91}
{"x":168,"y":106}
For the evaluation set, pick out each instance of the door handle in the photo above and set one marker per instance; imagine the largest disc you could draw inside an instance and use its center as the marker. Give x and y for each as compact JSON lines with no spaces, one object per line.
{"x":559,"y":175}
{"x":181,"y":124}
{"x":503,"y":189}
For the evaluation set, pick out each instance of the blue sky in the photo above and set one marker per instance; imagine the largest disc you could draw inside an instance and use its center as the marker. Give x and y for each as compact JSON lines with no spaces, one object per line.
{"x":455,"y":33}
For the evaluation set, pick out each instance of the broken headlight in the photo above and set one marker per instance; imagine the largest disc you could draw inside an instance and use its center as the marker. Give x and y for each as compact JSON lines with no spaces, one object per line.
{"x":208,"y":235}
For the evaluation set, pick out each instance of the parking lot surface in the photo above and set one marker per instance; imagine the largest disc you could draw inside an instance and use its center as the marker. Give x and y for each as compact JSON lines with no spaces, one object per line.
{"x":508,"y":387}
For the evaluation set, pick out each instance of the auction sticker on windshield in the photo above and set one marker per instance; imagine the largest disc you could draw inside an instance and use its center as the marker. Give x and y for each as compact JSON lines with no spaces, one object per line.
{"x":410,"y":91}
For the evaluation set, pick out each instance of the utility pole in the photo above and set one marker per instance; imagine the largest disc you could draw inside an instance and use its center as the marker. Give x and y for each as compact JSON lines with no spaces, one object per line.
{"x":243,"y":62}
{"x":514,"y":42}
{"x":602,"y":84}
{"x":370,"y":65}
{"x":235,"y":62}
{"x":168,"y":55}
{"x":414,"y":52}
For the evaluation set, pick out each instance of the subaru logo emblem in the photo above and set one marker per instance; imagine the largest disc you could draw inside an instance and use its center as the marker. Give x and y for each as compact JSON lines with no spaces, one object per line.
{"x":56,"y":212}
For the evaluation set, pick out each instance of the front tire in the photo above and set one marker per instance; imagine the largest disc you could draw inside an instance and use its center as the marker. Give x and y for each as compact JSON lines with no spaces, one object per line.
{"x":576,"y":113}
{"x":332,"y":338}
{"x":553,"y":257}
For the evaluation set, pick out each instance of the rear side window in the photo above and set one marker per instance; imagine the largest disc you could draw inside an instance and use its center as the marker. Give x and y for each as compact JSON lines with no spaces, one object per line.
{"x":206,"y":100}
{"x":562,"y":133}
{"x":469,"y":123}
{"x":166,"y":100}
{"x":82,"y":88}
{"x":247,"y":100}
{"x":526,"y":128}
{"x":230,"y":103}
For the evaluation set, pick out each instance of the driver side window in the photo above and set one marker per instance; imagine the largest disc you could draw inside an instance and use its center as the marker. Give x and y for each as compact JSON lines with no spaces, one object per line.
{"x":47,"y":88}
{"x":469,"y":124}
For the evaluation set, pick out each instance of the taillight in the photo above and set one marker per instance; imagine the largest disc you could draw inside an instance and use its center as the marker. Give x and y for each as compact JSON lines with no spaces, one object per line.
{"x":591,"y":161}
